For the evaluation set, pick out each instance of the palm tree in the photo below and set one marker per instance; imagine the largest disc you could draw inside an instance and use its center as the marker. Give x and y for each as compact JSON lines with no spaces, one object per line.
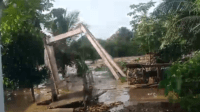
{"x":60,"y":22}
{"x":182,"y":20}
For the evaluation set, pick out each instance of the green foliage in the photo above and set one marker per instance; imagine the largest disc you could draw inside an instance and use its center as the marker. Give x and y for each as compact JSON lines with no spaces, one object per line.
{"x":22,"y":60}
{"x":61,"y":21}
{"x":123,"y":79}
{"x":168,"y":7}
{"x":82,"y":68}
{"x":181,"y":21}
{"x":142,"y":9}
{"x":120,"y":44}
{"x":171,"y":30}
{"x":190,"y":103}
{"x":149,"y":34}
{"x":123,"y":65}
{"x":172,"y":52}
{"x":104,"y":68}
{"x":23,"y":50}
{"x":84,"y":48}
{"x":184,"y":80}
{"x":22,"y":15}
{"x":8,"y":83}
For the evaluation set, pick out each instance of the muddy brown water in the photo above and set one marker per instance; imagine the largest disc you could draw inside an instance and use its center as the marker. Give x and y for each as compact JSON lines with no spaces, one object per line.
{"x":117,"y":91}
{"x":20,"y":100}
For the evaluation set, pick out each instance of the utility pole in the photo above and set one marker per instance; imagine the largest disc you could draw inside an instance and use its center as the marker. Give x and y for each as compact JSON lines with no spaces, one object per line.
{"x":1,"y":74}
{"x":1,"y":83}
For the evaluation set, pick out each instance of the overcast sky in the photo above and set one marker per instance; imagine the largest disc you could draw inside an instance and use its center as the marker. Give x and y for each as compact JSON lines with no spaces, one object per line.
{"x":103,"y":16}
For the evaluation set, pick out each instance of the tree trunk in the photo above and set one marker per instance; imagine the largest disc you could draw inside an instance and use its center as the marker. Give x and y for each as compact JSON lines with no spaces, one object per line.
{"x":32,"y":93}
{"x":63,"y":72}
{"x":87,"y":90}
{"x":53,"y":91}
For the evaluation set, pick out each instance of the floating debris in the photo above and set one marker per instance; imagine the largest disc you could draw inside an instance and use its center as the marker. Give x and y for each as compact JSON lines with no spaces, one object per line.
{"x":100,"y":107}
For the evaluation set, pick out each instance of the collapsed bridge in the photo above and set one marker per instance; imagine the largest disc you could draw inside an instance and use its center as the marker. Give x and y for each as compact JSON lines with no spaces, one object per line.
{"x":50,"y":60}
{"x":113,"y":67}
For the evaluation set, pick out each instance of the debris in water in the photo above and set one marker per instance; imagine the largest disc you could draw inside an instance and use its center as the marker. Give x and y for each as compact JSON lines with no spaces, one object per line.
{"x":99,"y":107}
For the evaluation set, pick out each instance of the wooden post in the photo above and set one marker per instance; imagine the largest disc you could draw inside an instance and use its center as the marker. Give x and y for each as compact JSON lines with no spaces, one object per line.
{"x":158,"y":73}
{"x":127,"y":75}
{"x":2,"y":109}
{"x":144,"y":75}
{"x":54,"y":75}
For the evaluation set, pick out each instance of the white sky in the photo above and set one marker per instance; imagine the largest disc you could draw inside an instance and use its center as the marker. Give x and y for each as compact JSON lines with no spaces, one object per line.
{"x":103,"y":16}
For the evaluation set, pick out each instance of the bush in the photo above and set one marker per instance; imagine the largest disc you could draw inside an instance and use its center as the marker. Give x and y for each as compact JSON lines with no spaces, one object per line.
{"x":184,"y":80}
{"x":123,"y":79}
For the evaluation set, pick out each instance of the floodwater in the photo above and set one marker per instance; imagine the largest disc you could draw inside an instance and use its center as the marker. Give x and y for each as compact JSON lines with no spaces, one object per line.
{"x":117,"y":91}
{"x":20,"y":100}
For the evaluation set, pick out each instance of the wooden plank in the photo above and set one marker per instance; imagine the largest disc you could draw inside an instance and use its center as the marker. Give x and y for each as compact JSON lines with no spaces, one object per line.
{"x":65,"y":35}
{"x":109,"y":58}
{"x":52,"y":60}
{"x":102,"y":56}
{"x":60,"y":110}
{"x":49,"y":64}
{"x":62,"y":97}
{"x":65,"y":102}
{"x":143,"y":65}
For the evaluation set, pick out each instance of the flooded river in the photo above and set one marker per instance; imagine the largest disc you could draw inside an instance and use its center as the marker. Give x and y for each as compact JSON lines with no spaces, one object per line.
{"x":20,"y":100}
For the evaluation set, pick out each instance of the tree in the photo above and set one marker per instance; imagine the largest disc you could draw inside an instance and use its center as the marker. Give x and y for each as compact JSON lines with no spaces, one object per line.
{"x":120,"y":44}
{"x":84,"y":48}
{"x":142,"y":8}
{"x":182,"y":78}
{"x":123,"y":34}
{"x":60,"y":22}
{"x":22,"y":15}
{"x":172,"y":24}
{"x":168,"y":7}
{"x":182,"y":22}
{"x":23,"y":53}
{"x":146,"y":30}
{"x":23,"y":59}
{"x":149,"y":34}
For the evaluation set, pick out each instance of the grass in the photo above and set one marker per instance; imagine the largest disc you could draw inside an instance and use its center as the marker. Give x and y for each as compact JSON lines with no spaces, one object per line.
{"x":123,"y":79}
{"x":101,"y":69}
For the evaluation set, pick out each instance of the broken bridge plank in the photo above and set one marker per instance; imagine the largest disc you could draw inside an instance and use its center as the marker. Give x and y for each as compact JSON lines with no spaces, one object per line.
{"x":66,"y":102}
{"x":106,"y":54}
{"x":62,"y":97}
{"x":65,"y":35}
{"x":60,"y":110}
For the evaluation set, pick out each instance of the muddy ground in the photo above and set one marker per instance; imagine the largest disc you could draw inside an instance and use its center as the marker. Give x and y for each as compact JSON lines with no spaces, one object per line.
{"x":132,"y":99}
